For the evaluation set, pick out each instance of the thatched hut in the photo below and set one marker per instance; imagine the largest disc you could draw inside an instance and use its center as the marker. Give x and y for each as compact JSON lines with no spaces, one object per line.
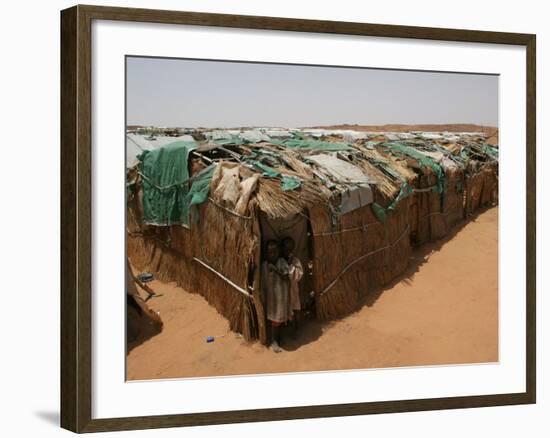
{"x":199,"y":211}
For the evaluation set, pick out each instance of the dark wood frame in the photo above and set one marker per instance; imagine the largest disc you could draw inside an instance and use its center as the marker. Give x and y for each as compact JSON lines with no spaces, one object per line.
{"x":76,"y":176}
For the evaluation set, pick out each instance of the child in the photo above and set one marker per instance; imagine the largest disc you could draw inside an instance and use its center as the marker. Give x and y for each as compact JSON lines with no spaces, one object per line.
{"x":275,"y":291}
{"x":295,"y":274}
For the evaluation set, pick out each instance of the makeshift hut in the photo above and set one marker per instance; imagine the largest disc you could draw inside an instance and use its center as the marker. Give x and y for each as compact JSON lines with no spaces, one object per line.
{"x":201,"y":207}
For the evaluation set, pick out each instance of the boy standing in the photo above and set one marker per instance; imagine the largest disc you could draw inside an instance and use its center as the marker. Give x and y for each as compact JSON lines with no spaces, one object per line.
{"x":275,"y":292}
{"x":295,"y":274}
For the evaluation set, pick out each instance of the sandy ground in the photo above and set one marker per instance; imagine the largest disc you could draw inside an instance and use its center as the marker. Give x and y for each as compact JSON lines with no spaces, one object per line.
{"x":443,"y":310}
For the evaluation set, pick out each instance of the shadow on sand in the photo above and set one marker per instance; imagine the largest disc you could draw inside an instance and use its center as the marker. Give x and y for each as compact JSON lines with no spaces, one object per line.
{"x":311,"y":329}
{"x":139,"y":326}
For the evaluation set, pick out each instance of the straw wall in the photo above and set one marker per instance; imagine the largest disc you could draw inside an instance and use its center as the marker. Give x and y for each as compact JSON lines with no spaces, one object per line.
{"x":474,"y":189}
{"x":359,"y":254}
{"x":453,"y":205}
{"x":223,"y":241}
{"x":489,"y":193}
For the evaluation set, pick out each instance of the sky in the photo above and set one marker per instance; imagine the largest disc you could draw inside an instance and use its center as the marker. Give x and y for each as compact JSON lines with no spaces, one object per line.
{"x":222,"y":94}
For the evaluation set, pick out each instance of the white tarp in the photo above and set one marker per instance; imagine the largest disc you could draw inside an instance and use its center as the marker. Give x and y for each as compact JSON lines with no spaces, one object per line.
{"x":441,"y":159}
{"x":339,"y":170}
{"x":218,"y":135}
{"x":277,"y":133}
{"x":253,"y":136}
{"x":357,"y":192}
{"x":137,"y":143}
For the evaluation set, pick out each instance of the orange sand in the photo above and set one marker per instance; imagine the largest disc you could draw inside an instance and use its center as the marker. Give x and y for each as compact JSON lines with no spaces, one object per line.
{"x":443,"y":310}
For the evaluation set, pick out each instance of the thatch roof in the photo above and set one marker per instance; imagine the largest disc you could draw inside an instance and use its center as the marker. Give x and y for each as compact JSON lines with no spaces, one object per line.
{"x":297,"y":169}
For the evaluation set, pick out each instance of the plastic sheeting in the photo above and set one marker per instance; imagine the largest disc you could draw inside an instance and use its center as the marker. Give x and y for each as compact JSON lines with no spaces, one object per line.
{"x":136,"y":144}
{"x":298,"y":143}
{"x":168,"y":192}
{"x":357,"y":193}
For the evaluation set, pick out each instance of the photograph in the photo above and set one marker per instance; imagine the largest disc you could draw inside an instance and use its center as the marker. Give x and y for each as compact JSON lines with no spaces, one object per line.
{"x":293,"y":218}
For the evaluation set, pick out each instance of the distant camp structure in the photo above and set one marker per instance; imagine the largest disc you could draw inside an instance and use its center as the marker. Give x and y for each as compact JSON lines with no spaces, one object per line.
{"x":201,"y":203}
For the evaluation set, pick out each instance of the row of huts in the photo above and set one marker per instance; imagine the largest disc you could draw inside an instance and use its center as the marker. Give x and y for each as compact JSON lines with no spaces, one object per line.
{"x":201,"y":205}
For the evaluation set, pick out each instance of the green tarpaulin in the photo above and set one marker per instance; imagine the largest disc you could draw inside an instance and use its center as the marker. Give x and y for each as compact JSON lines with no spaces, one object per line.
{"x":491,"y":151}
{"x":296,"y":143}
{"x":422,"y":159}
{"x":382,"y":213}
{"x":166,"y":184}
{"x":200,"y":186}
{"x":233,"y":141}
{"x":288,"y":182}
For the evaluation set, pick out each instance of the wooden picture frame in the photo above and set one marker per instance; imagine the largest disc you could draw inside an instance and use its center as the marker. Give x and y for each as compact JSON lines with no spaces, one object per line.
{"x":76,"y":217}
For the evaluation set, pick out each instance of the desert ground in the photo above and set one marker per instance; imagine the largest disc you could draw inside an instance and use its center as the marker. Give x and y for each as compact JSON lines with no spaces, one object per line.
{"x":442,"y":310}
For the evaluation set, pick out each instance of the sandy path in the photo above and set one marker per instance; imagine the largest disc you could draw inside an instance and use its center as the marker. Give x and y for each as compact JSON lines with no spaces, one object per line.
{"x":443,"y":310}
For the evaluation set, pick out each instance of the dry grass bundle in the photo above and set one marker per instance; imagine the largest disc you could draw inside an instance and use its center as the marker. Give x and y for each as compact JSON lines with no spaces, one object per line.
{"x":342,"y":299}
{"x":398,"y":238}
{"x":277,"y":203}
{"x":420,"y":209}
{"x":227,"y":243}
{"x":140,"y":251}
{"x":453,"y":206}
{"x":293,"y":161}
{"x":489,"y":193}
{"x":474,"y":189}
{"x":134,"y":208}
{"x":436,"y":218}
{"x":429,"y":223}
{"x":397,"y":165}
{"x":349,"y":259}
{"x":382,"y":182}
{"x":329,"y":256}
{"x":361,"y":254}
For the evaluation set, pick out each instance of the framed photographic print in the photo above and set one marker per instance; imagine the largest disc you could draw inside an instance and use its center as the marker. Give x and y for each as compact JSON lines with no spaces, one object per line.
{"x":269,"y":218}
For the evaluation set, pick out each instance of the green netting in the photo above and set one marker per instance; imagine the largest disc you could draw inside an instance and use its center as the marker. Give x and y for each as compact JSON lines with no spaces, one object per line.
{"x":165,"y":178}
{"x":297,"y":143}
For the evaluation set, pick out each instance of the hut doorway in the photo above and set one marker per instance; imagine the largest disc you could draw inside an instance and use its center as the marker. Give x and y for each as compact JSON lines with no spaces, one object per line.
{"x":296,"y":227}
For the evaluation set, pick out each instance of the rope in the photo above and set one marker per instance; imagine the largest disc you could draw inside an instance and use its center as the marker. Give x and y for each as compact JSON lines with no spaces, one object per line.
{"x":167,"y":187}
{"x":227,"y":280}
{"x":433,"y":214}
{"x":346,"y":230}
{"x":240,"y":289}
{"x":427,"y":189}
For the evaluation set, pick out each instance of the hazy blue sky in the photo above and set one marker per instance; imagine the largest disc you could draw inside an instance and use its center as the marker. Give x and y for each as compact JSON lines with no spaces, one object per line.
{"x":175,"y":92}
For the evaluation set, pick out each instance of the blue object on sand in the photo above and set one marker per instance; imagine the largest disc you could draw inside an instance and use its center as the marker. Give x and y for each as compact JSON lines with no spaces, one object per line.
{"x":145,"y":277}
{"x":210,"y":339}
